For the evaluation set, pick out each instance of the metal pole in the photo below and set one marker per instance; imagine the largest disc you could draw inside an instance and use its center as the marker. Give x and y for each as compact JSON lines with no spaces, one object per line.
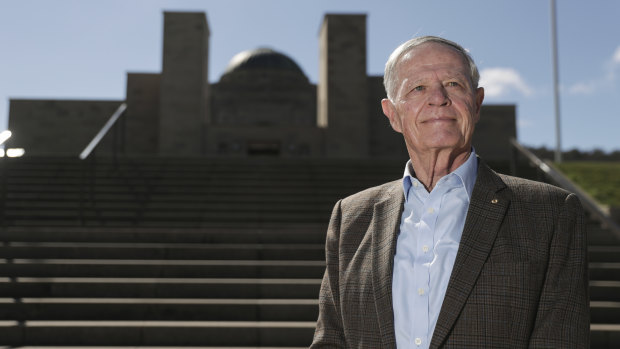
{"x":556,"y":85}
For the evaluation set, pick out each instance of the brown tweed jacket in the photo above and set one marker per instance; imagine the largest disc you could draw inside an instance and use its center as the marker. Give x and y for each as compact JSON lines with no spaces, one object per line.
{"x":519,"y":280}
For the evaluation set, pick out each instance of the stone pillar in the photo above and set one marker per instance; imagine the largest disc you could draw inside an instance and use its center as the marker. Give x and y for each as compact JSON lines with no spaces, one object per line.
{"x":184,"y":84}
{"x":342,"y":91}
{"x":142,"y":115}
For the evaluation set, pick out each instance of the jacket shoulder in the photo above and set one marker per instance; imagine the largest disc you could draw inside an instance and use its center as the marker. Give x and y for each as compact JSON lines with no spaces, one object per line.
{"x":536,"y":195}
{"x":521,"y":185}
{"x":358,"y":209}
{"x":371,"y":196}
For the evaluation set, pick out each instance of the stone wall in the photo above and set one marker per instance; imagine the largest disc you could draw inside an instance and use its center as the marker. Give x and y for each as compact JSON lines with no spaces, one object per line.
{"x":58,"y":127}
{"x":263,"y":98}
{"x":142,"y":116}
{"x":383,"y":140}
{"x":282,"y":141}
{"x":493,"y":132}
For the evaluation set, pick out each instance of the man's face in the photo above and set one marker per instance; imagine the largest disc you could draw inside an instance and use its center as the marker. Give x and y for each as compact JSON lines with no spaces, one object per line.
{"x":435,"y":105}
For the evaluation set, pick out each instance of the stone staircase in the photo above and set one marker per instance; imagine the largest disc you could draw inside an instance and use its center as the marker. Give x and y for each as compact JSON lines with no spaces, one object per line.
{"x":160,"y":287}
{"x":181,"y":192}
{"x":168,"y":252}
{"x":190,"y":252}
{"x":604,"y":263}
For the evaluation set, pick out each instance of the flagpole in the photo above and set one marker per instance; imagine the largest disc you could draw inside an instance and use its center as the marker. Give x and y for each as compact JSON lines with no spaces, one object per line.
{"x":556,"y":84}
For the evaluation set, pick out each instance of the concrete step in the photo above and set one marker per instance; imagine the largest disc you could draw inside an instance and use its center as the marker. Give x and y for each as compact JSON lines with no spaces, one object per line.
{"x":199,"y":268}
{"x":602,"y":271}
{"x":146,"y":347}
{"x":100,"y":250}
{"x":198,"y":287}
{"x":605,"y":312}
{"x":244,"y":172}
{"x":192,"y":309}
{"x":15,"y":191}
{"x":600,"y":236}
{"x":203,"y":334}
{"x":605,"y":290}
{"x":24,"y":287}
{"x":74,"y":196}
{"x":161,"y":165}
{"x":604,"y":336}
{"x":172,"y":200}
{"x":198,"y":179}
{"x":225,"y":234}
{"x":204,"y":206}
{"x":157,"y":333}
{"x":162,"y":218}
{"x":155,"y":223}
{"x":161,"y":268}
{"x":606,"y":253}
{"x":158,"y":309}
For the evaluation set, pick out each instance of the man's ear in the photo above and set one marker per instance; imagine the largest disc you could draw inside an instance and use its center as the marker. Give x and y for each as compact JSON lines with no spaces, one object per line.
{"x":390,"y":111}
{"x":479,"y":99}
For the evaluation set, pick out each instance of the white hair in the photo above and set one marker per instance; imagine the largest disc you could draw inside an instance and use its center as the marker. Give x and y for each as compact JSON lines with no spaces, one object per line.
{"x":390,"y":76}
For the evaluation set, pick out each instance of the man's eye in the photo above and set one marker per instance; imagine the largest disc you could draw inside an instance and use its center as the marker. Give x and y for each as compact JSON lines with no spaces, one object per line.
{"x":453,"y":83}
{"x":418,"y":88}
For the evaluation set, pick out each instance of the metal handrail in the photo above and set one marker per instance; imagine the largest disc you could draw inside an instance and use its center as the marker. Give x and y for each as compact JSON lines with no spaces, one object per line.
{"x":104,"y":130}
{"x":87,"y":185}
{"x":549,"y":169}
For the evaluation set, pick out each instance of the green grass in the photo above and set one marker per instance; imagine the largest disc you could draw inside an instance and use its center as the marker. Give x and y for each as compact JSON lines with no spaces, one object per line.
{"x":600,"y":179}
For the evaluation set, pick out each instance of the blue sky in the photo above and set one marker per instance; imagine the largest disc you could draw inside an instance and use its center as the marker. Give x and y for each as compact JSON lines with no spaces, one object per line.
{"x":82,"y":49}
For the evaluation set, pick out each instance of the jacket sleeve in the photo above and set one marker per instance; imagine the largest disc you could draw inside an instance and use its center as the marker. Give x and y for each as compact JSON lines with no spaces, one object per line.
{"x":329,"y":331}
{"x":563,"y":316}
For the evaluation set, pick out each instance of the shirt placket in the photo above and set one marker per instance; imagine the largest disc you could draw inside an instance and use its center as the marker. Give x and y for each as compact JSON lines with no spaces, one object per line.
{"x":422,"y":259}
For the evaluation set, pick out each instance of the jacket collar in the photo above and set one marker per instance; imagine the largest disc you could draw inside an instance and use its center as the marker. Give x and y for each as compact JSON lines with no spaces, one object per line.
{"x":486,"y":211}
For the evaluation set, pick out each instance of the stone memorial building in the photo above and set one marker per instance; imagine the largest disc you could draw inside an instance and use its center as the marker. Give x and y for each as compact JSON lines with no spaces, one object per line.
{"x":263,"y":105}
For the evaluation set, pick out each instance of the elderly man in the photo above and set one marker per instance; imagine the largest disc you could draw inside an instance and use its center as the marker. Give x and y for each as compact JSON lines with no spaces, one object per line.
{"x":453,"y":255}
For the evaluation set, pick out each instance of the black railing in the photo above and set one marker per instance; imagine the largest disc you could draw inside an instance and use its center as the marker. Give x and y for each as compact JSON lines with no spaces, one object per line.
{"x":547,"y":169}
{"x":104,"y":130}
{"x":89,"y":168}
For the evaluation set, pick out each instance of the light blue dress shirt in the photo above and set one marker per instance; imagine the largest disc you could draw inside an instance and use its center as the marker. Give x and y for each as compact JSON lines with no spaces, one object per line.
{"x":430,"y":232}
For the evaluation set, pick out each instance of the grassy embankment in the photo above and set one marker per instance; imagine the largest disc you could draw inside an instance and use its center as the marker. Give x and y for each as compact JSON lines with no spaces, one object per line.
{"x":600,"y":179}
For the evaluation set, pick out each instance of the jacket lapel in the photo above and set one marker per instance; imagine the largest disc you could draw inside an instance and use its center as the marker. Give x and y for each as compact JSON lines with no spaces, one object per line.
{"x":484,"y":217}
{"x":384,"y":228}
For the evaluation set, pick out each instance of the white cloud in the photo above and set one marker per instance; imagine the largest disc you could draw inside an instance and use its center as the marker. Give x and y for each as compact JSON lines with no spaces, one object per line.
{"x":499,"y":81}
{"x":525,"y":123}
{"x":609,"y":77}
{"x":616,"y":57}
{"x":583,"y":88}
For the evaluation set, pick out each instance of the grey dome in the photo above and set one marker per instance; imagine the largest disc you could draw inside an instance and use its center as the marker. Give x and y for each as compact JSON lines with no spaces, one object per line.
{"x":262,"y":59}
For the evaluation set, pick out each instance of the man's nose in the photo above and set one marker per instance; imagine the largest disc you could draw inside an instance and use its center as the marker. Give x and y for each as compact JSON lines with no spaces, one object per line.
{"x":439,"y":96}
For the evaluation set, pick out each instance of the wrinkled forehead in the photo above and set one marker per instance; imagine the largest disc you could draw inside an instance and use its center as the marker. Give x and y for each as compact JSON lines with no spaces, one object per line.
{"x":434,"y":54}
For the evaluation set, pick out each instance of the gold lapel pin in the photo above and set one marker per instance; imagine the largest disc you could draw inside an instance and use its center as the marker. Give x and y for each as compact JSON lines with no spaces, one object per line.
{"x":494,"y":201}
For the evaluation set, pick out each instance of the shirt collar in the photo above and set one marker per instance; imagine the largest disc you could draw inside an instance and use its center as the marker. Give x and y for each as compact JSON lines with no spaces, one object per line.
{"x":467,"y":173}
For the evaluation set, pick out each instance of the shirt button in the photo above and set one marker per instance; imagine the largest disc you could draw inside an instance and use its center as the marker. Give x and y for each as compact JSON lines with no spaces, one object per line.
{"x":425,"y":249}
{"x":418,"y":341}
{"x":431,"y":210}
{"x":421,"y":291}
{"x":415,"y":184}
